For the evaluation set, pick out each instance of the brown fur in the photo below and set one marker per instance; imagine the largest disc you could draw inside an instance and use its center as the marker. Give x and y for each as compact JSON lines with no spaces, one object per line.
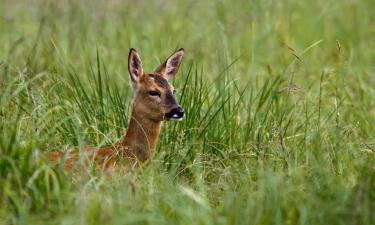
{"x":139,"y":143}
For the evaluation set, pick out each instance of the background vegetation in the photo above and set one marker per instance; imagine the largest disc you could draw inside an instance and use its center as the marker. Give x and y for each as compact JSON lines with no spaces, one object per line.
{"x":279,"y":97}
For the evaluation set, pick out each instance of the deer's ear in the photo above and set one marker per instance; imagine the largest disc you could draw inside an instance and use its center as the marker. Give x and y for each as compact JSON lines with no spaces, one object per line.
{"x":134,"y":67}
{"x":170,"y":67}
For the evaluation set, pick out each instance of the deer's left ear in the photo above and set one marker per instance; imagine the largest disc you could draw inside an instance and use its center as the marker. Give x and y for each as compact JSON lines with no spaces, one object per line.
{"x":134,"y":67}
{"x":170,"y":67}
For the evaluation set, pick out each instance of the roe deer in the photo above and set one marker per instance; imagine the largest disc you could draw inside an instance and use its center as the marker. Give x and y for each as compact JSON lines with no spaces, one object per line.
{"x":153,"y":103}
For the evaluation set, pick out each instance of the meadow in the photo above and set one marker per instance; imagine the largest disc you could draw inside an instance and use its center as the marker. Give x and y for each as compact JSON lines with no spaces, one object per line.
{"x":279,"y":99}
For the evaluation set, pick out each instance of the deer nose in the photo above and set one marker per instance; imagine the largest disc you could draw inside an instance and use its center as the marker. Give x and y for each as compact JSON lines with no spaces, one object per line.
{"x":175,"y":114}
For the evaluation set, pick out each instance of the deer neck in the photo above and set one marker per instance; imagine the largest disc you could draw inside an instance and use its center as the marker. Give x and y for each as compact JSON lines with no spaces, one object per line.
{"x":141,"y":137}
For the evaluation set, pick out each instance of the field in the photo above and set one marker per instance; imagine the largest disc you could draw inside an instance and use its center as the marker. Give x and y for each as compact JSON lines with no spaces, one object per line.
{"x":279,"y":99}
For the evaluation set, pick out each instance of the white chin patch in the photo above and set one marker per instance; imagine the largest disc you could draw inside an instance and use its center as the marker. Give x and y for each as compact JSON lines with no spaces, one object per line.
{"x":176,"y":118}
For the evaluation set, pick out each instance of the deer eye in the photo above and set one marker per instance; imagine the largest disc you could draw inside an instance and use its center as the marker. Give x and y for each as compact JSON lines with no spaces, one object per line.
{"x":154,"y":93}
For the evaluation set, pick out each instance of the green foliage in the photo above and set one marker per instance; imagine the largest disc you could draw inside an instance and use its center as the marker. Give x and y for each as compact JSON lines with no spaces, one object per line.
{"x":279,"y":100}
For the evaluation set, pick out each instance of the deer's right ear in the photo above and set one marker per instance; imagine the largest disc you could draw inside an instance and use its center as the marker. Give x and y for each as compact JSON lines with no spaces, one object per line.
{"x":134,"y":67}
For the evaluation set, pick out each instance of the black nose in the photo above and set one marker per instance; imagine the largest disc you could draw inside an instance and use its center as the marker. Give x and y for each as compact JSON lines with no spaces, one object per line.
{"x":176,"y":113}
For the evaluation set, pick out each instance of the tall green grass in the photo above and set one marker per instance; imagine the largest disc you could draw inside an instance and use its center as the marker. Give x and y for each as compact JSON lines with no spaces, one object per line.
{"x":279,"y":100}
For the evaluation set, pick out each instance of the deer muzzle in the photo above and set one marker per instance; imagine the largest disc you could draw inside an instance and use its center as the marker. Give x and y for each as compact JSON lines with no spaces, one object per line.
{"x":175,"y":114}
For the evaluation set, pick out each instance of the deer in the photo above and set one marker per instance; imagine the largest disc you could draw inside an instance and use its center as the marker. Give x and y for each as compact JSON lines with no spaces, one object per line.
{"x":153,"y":103}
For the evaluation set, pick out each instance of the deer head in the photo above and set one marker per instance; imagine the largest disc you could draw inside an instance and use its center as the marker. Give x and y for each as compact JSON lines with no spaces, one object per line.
{"x":153,"y":94}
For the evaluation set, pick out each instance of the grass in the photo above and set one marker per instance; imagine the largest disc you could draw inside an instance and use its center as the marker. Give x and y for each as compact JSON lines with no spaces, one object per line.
{"x":279,"y":100}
